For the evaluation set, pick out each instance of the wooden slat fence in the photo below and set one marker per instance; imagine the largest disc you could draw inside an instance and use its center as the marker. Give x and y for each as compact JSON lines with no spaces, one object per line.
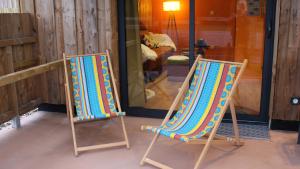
{"x":18,"y":52}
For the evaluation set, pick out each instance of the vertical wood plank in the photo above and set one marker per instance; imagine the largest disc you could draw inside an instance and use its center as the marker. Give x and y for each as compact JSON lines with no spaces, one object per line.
{"x":47,"y":45}
{"x":275,"y":52}
{"x":6,"y":112}
{"x":296,"y":89}
{"x":87,"y":29}
{"x":28,"y":6}
{"x":108,"y":31}
{"x":79,"y":26}
{"x":101,"y":7}
{"x":287,"y":75}
{"x":28,"y":89}
{"x":69,"y":26}
{"x":60,"y":45}
{"x":12,"y":87}
{"x":114,"y":40}
{"x":90,"y":26}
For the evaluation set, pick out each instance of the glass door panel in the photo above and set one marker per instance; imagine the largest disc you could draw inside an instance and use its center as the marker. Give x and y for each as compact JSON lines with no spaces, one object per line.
{"x":157,"y":41}
{"x":234,"y":31}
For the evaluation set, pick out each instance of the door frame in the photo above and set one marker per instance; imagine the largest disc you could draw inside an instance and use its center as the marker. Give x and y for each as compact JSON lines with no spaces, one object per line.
{"x":263,"y":116}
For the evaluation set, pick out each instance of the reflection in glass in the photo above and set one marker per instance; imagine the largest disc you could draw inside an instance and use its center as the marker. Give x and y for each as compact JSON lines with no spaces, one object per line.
{"x":160,"y":29}
{"x":234,"y":31}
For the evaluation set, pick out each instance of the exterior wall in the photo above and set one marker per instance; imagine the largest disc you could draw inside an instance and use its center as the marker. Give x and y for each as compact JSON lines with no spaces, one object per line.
{"x":18,"y":52}
{"x":73,"y":27}
{"x":77,"y":26}
{"x":41,"y":35}
{"x":286,"y":68}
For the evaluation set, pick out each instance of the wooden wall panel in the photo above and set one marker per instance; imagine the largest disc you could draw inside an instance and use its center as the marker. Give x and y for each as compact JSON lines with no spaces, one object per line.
{"x":87,"y":28}
{"x":74,"y":27}
{"x":25,"y":56}
{"x":77,"y":26}
{"x":286,"y":82}
{"x":6,"y":112}
{"x":108,"y":31}
{"x":20,"y":97}
{"x":114,"y":39}
{"x":70,"y":26}
{"x":48,"y":45}
{"x":58,"y":13}
{"x":5,"y":108}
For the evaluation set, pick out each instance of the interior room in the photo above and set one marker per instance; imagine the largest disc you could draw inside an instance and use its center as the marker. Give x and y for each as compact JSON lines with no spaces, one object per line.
{"x":165,"y":72}
{"x":233,"y":33}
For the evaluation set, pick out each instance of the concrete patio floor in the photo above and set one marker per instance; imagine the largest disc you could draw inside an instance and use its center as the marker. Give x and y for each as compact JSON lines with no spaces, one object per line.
{"x":44,"y":142}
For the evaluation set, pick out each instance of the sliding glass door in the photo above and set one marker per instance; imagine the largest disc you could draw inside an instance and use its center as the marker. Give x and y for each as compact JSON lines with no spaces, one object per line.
{"x":234,"y":31}
{"x":159,"y":40}
{"x":157,"y":45}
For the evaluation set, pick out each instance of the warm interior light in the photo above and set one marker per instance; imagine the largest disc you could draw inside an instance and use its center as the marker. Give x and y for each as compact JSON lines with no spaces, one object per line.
{"x":171,"y":6}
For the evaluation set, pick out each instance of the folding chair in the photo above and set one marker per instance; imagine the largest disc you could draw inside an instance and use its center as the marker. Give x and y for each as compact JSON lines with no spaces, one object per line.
{"x":203,"y":107}
{"x":94,"y":98}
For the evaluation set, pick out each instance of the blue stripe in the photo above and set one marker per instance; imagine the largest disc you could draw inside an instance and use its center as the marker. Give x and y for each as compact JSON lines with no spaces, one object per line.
{"x":203,"y":101}
{"x":85,"y":88}
{"x":196,"y":95}
{"x":91,"y":87}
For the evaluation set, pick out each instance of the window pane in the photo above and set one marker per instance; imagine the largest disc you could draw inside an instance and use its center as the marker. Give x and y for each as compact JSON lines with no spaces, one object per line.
{"x":234,"y":31}
{"x":156,"y":34}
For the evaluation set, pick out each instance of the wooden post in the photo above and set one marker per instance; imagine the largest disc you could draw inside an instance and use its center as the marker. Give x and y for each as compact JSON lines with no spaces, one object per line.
{"x":16,"y":123}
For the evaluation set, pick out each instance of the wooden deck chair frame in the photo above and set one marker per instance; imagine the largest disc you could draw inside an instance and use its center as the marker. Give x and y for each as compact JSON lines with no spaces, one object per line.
{"x":212,"y":137}
{"x":70,"y":107}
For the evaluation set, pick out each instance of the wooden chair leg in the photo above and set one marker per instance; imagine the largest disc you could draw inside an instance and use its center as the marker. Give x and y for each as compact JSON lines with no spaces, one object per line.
{"x":124,"y":132}
{"x":67,"y":101}
{"x":203,"y":153}
{"x":74,"y":138}
{"x":234,"y":123}
{"x":149,"y":149}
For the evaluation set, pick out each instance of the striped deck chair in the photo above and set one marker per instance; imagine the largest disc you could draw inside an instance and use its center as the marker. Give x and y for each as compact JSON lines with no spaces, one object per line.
{"x":94,"y":93}
{"x":203,"y":107}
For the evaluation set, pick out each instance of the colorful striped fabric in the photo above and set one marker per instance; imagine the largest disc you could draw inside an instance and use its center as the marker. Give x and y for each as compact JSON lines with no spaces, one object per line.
{"x":92,"y":88}
{"x":203,"y":102}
